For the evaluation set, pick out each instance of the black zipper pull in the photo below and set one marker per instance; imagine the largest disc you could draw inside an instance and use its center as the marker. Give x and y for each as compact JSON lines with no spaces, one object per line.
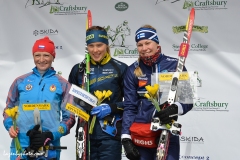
{"x":40,"y":81}
{"x":43,"y":87}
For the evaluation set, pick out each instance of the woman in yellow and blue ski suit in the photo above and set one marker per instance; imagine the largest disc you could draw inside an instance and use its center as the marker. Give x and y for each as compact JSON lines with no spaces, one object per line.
{"x":106,"y":73}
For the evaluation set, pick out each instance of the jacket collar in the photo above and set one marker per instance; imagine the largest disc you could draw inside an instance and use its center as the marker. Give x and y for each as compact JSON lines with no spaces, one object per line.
{"x":49,"y":72}
{"x":105,"y":60}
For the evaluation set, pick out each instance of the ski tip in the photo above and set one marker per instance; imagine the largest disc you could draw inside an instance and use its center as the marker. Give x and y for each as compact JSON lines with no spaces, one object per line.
{"x":89,"y":17}
{"x":89,"y":12}
{"x":192,"y":13}
{"x":192,"y":10}
{"x":190,"y":17}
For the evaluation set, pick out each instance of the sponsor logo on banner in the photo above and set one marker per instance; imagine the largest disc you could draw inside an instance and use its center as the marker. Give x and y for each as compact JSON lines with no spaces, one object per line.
{"x":205,"y":4}
{"x":201,"y":105}
{"x":185,"y":157}
{"x":125,"y":53}
{"x":44,"y":32}
{"x":194,"y":46}
{"x":117,"y":40}
{"x":121,"y":6}
{"x":199,"y":4}
{"x":191,"y":139}
{"x":57,"y":8}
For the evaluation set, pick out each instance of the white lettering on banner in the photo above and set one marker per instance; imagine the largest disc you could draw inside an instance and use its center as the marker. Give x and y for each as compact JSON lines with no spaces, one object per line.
{"x":142,"y":142}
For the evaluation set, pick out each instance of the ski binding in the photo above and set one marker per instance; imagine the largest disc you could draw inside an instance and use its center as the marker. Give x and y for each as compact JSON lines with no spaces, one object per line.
{"x":175,"y":127}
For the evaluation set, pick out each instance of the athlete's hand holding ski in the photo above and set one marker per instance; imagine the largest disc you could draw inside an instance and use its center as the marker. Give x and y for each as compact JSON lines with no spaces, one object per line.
{"x":37,"y":138}
{"x":168,"y":114}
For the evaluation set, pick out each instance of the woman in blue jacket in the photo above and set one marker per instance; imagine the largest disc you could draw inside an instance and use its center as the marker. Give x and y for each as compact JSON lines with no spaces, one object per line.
{"x":43,"y":89}
{"x":139,"y":109}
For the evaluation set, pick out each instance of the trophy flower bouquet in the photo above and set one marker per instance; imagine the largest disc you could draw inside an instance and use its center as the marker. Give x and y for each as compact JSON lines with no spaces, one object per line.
{"x":152,"y":96}
{"x":13,"y":113}
{"x":101,"y":96}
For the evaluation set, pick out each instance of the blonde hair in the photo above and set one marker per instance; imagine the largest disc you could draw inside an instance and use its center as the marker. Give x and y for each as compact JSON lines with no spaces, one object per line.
{"x":93,"y":28}
{"x":148,"y":26}
{"x":138,"y":72}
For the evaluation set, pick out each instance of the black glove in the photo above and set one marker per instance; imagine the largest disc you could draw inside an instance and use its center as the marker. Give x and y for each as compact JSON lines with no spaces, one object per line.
{"x":37,"y":139}
{"x":130,"y":149}
{"x":83,"y":104}
{"x":164,"y":105}
{"x":33,"y":131}
{"x":166,"y":115}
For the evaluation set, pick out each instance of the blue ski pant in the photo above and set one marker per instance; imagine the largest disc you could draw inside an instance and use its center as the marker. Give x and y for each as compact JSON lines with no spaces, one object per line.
{"x":105,"y":149}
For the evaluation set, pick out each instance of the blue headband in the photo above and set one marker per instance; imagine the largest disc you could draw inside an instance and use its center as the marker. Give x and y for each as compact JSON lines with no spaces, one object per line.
{"x":96,"y":36}
{"x":146,"y":33}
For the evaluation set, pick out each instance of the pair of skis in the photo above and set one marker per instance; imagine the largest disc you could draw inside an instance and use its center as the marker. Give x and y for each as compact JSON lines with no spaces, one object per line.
{"x":183,"y":52}
{"x":83,"y":135}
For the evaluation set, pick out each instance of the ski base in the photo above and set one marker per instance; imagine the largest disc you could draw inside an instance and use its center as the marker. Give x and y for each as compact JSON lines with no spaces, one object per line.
{"x":163,"y":146}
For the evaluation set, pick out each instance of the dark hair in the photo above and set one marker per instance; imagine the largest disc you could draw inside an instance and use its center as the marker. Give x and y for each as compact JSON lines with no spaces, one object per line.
{"x":96,"y":28}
